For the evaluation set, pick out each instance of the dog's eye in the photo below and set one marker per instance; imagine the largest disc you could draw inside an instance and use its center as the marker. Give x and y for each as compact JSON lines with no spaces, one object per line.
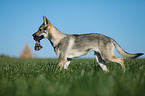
{"x":45,"y":28}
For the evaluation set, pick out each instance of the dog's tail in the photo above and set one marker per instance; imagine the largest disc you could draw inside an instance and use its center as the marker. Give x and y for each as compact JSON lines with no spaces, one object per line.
{"x":124,"y":53}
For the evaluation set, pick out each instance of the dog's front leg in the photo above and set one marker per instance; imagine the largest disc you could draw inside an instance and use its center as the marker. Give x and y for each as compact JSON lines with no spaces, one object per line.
{"x":61,"y":63}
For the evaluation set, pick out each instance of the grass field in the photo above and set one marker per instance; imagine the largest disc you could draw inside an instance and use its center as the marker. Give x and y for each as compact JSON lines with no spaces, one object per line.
{"x":36,"y":77}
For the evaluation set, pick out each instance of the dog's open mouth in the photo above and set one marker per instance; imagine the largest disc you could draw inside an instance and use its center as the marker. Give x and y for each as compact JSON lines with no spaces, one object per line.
{"x":37,"y":44}
{"x":38,"y":38}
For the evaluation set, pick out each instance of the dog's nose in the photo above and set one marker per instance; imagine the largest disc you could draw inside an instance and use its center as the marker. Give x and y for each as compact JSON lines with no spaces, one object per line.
{"x":34,"y":35}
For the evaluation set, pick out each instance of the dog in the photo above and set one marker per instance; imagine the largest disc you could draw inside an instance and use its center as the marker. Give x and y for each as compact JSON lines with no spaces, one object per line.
{"x":68,"y":47}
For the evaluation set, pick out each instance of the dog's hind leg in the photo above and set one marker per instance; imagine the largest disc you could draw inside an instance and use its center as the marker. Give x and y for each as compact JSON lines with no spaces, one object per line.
{"x":109,"y":55}
{"x":117,"y":60}
{"x":100,"y":61}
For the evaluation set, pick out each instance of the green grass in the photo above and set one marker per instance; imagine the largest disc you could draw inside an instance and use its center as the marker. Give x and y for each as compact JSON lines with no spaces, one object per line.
{"x":36,"y":77}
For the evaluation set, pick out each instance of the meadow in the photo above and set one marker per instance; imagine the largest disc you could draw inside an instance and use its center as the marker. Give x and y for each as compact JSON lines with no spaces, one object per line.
{"x":37,"y":77}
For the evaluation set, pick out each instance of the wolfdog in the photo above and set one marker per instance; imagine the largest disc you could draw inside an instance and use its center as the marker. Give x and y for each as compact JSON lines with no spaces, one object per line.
{"x":68,"y":47}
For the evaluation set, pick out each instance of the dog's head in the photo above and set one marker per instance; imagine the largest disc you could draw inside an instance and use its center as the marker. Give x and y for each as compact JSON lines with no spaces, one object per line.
{"x":43,"y":30}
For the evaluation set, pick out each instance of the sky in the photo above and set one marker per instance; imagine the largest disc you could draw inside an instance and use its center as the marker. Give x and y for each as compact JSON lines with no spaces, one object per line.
{"x":122,"y":20}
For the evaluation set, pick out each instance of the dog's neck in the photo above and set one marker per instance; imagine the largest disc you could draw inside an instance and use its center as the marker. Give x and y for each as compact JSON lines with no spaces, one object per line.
{"x":55,"y":35}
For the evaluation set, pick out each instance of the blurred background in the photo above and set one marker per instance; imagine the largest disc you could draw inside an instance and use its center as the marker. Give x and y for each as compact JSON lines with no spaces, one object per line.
{"x":122,"y":20}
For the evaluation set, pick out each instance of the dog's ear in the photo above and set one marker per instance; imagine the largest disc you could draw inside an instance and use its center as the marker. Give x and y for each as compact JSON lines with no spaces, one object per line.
{"x":46,"y":21}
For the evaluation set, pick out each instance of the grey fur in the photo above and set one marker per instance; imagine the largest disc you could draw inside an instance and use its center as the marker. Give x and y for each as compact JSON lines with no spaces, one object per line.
{"x":68,"y":47}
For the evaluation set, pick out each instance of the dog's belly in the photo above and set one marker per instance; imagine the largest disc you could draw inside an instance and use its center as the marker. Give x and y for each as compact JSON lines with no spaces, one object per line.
{"x":74,"y":54}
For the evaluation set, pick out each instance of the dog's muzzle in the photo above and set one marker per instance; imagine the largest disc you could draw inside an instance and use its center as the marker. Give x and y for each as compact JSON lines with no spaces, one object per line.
{"x":37,"y":38}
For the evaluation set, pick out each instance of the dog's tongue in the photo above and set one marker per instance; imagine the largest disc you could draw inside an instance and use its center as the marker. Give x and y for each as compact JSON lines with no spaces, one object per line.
{"x":38,"y":46}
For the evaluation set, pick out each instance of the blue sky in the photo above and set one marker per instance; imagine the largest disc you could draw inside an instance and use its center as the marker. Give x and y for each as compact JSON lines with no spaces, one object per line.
{"x":123,"y":20}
